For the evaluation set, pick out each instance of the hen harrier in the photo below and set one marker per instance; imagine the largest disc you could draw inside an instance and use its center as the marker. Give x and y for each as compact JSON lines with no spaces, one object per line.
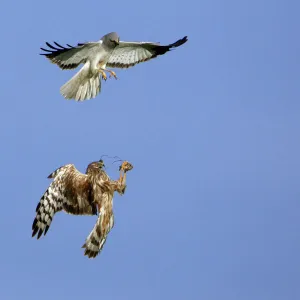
{"x":96,"y":56}
{"x":82,"y":194}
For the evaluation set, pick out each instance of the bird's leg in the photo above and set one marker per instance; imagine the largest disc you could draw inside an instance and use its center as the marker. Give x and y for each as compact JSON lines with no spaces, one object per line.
{"x":112,"y":74}
{"x":122,"y":182}
{"x":102,"y":72}
{"x":121,"y":175}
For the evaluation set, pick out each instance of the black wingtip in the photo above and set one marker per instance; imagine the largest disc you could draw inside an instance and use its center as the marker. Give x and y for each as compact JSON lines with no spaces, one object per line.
{"x":58,"y":45}
{"x":34,"y":232}
{"x":40,"y":233}
{"x":36,"y":210}
{"x":50,"y":46}
{"x":54,"y":49}
{"x":46,"y":229}
{"x":179,"y":42}
{"x":34,"y":224}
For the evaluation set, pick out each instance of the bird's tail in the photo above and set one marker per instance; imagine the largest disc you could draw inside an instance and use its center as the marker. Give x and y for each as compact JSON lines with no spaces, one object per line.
{"x":82,"y":86}
{"x":97,"y":238}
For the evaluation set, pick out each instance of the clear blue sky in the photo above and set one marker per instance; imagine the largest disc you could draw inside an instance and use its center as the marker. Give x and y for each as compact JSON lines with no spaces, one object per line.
{"x":212,"y":209}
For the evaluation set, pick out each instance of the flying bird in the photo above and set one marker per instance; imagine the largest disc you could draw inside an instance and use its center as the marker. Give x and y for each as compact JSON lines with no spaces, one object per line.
{"x":110,"y":52}
{"x":82,"y":194}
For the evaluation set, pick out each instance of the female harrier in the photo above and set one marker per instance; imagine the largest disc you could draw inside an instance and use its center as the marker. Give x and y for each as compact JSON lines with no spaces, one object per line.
{"x":82,"y":194}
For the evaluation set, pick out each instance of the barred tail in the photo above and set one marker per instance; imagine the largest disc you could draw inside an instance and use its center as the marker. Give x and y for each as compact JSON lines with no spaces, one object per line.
{"x":97,"y":238}
{"x":82,"y":86}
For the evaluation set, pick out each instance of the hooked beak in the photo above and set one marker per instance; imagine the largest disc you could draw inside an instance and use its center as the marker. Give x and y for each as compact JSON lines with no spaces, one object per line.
{"x":115,"y":42}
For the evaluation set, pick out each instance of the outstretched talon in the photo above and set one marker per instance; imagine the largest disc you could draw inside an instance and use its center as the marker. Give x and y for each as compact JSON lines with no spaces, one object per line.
{"x":126,"y":166}
{"x":103,"y":74}
{"x":112,"y":74}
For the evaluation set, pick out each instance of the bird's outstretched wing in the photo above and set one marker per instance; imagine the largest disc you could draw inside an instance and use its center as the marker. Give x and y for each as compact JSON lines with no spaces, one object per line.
{"x":97,"y":238}
{"x":69,"y":57}
{"x":128,"y":54}
{"x":70,"y":191}
{"x":105,"y":222}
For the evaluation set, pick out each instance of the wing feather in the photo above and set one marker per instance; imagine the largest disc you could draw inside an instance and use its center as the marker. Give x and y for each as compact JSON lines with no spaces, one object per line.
{"x":105,"y":222}
{"x":70,"y":191}
{"x":69,"y":57}
{"x":128,"y":54}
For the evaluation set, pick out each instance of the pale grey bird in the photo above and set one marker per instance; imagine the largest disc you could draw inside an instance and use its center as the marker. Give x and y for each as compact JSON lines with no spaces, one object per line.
{"x":109,"y":51}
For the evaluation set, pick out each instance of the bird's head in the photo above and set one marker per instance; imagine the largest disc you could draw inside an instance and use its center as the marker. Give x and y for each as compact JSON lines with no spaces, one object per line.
{"x":95,"y":166}
{"x":111,"y":40}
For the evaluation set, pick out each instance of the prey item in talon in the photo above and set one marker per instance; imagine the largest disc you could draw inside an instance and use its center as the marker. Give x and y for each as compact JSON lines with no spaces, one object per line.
{"x":126,"y":166}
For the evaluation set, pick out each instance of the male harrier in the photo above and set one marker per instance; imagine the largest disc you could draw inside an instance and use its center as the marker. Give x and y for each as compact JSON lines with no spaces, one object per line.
{"x":82,"y":194}
{"x":96,"y":56}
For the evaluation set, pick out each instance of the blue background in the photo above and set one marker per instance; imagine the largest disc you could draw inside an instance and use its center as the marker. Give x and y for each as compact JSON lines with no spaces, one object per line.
{"x":212,"y":206}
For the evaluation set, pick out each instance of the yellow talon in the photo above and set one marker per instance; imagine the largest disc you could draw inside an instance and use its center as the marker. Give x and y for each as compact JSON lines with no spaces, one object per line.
{"x":112,"y":73}
{"x":103,"y":74}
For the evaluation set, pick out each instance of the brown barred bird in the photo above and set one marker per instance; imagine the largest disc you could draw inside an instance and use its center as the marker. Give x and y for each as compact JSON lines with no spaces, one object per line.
{"x":82,"y":194}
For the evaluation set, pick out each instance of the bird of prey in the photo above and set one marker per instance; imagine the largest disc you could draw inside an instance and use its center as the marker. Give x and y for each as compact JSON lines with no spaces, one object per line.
{"x":110,"y":52}
{"x":82,"y":194}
